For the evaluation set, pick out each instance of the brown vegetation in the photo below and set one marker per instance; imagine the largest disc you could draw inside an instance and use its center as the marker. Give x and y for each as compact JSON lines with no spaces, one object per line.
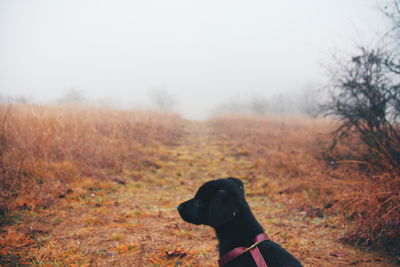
{"x":97,"y":187}
{"x":294,"y":154}
{"x":42,"y":149}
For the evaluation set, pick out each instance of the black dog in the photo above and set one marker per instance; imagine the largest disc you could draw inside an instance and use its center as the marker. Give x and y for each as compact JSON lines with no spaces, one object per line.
{"x":221,"y":204}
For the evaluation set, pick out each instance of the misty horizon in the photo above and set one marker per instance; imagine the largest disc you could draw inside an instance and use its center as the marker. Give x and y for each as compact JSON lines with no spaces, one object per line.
{"x":203,"y":54}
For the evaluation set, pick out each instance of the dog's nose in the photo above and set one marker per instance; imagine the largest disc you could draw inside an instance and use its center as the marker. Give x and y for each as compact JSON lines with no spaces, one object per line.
{"x":179,"y":208}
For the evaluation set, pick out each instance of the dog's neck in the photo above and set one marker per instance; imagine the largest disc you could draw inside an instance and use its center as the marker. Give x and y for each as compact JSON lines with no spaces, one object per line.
{"x":245,"y":227}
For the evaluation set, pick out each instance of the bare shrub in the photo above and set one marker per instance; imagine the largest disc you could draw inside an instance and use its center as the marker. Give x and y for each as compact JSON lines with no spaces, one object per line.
{"x":365,"y":99}
{"x":163,"y":99}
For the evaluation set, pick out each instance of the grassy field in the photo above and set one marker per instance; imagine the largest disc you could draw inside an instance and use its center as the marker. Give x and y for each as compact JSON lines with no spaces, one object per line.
{"x":96,"y":187}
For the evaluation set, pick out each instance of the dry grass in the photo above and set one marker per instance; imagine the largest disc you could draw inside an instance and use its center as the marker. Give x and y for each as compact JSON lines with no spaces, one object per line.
{"x":97,"y":187}
{"x":294,"y":153}
{"x":42,"y":149}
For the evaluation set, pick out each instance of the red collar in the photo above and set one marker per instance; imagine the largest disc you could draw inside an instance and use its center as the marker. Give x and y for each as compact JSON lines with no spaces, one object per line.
{"x":255,"y":252}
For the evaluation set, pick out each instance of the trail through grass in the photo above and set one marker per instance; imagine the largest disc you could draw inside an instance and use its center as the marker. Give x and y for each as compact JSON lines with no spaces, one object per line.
{"x":131,"y":219}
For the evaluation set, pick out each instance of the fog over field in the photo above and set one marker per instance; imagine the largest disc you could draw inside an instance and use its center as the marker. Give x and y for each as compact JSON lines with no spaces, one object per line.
{"x":198,"y":53}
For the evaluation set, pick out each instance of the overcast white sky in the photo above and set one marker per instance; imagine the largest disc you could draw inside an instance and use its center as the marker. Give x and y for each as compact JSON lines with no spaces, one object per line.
{"x":204,"y":52}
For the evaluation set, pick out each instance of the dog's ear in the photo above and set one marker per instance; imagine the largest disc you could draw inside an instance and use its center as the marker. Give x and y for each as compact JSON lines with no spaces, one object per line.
{"x":223,"y":208}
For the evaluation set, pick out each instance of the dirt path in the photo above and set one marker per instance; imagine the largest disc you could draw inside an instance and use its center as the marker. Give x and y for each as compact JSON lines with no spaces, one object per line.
{"x":132,"y":220}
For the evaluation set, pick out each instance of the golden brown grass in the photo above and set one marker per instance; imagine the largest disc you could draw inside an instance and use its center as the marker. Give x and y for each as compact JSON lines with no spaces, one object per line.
{"x":294,"y":153}
{"x":97,"y":187}
{"x":42,"y":149}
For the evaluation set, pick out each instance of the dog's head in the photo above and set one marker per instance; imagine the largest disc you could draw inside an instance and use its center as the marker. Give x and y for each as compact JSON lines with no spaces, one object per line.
{"x":215,"y":203}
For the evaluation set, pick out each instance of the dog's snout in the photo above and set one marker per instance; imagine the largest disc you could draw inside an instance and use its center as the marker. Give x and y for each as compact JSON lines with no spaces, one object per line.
{"x":179,"y":208}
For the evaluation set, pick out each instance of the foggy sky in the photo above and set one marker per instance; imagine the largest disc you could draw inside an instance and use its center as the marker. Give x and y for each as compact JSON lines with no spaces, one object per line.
{"x":203,"y":52}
